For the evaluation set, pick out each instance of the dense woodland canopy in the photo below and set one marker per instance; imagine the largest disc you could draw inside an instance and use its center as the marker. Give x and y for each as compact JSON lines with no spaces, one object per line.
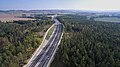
{"x":19,"y":39}
{"x":88,"y":43}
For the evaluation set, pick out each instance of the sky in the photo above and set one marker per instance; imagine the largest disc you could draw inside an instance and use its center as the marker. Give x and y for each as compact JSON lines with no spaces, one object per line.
{"x":60,"y":4}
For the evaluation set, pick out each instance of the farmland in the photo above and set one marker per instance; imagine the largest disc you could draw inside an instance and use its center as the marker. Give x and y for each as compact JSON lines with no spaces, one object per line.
{"x":11,"y":17}
{"x":108,"y":19}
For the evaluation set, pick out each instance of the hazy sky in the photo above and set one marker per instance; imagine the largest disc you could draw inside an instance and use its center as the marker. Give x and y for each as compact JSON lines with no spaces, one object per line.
{"x":60,"y":4}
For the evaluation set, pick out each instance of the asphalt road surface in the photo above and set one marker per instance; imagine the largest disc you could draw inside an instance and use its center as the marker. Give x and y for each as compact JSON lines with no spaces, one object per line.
{"x":44,"y":56}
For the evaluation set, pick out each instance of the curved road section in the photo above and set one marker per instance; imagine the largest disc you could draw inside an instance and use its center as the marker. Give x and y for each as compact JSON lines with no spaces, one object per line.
{"x":45,"y":57}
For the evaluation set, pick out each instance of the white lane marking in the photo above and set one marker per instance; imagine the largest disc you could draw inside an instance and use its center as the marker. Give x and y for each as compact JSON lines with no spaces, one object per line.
{"x":46,"y":50}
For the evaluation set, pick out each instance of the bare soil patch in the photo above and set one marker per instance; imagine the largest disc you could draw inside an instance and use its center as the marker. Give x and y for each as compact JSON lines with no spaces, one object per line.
{"x":11,"y":17}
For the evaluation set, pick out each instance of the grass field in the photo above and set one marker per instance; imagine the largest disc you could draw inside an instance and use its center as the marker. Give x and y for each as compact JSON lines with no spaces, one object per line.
{"x":108,"y":19}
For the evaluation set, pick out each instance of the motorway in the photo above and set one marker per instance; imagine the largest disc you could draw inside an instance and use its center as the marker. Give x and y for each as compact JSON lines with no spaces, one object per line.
{"x":43,"y":58}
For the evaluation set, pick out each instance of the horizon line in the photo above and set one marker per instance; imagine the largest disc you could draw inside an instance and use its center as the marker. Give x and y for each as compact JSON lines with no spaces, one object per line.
{"x":99,"y":10}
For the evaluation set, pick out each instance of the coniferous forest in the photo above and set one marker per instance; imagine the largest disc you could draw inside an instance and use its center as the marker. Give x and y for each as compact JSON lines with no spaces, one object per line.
{"x":88,"y":43}
{"x":19,"y":39}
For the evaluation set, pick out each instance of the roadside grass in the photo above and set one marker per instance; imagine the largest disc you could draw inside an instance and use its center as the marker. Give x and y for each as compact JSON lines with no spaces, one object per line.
{"x":50,"y":32}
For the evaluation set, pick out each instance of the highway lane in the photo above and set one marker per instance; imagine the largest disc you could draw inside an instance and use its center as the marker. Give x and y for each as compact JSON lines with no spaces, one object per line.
{"x":46,"y":53}
{"x":44,"y":61}
{"x":55,"y":44}
{"x":39,"y":49}
{"x":34,"y":62}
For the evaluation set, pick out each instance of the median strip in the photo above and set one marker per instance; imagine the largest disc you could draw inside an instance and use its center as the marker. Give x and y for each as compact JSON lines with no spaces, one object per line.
{"x":50,"y":32}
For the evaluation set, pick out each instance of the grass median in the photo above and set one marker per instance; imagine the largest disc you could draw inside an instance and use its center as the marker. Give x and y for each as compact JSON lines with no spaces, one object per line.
{"x":50,"y":32}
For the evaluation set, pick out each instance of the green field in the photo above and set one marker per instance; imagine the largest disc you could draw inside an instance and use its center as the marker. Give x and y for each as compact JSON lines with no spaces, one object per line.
{"x":108,"y":19}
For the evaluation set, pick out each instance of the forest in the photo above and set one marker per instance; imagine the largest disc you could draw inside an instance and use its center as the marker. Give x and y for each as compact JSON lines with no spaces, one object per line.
{"x":88,"y":43}
{"x":19,"y":39}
